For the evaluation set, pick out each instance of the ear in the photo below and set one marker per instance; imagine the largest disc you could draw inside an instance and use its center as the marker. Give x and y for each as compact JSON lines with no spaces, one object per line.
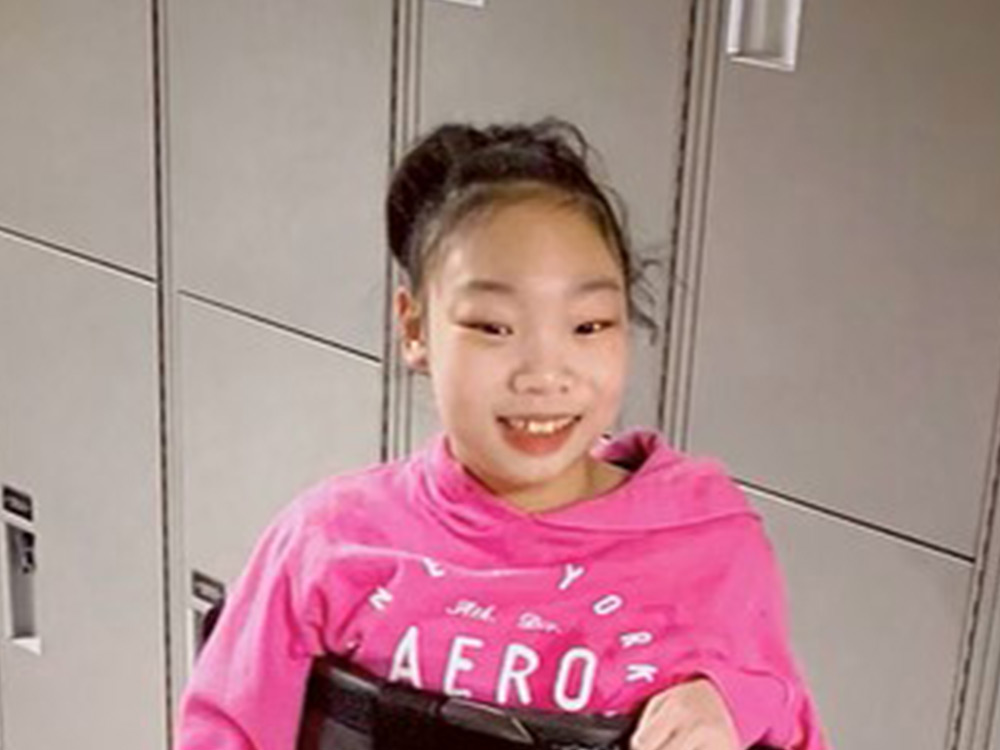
{"x":411,"y":329}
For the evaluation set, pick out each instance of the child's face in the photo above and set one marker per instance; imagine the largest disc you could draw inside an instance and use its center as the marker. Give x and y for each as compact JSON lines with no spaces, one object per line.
{"x":525,"y":338}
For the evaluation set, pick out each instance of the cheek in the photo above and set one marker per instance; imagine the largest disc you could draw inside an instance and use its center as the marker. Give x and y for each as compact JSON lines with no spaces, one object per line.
{"x":464,"y":376}
{"x":609,"y":363}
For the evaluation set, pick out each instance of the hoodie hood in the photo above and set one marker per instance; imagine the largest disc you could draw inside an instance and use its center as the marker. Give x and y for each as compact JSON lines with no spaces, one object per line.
{"x":667,"y":489}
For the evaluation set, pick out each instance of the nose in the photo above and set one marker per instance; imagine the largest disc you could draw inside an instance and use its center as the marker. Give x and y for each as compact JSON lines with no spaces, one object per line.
{"x":544,"y":368}
{"x":542,"y":382}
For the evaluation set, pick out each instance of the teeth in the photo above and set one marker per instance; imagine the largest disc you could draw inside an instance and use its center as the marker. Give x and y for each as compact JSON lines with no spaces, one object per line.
{"x":540,"y":427}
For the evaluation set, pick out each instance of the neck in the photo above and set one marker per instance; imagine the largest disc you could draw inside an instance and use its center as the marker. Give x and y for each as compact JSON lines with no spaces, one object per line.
{"x":592,"y":478}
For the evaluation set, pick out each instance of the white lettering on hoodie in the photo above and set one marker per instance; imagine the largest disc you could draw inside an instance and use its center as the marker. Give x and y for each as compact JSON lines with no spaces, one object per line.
{"x":640,"y":638}
{"x":406,"y":659}
{"x":608,"y":605}
{"x":380,"y":598}
{"x":588,"y":669}
{"x":516,"y":675}
{"x":572,"y":573}
{"x":434,"y":569}
{"x":457,"y":662}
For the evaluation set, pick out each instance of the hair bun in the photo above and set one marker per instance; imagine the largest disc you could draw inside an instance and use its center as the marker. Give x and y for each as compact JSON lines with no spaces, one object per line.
{"x":422,"y":180}
{"x":455,"y":157}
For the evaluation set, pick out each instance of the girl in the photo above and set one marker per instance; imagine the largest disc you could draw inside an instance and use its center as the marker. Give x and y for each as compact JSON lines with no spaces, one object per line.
{"x":519,"y":558}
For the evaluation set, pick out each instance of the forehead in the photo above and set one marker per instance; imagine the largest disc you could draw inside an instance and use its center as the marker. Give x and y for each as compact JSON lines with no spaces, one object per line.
{"x":526,"y":245}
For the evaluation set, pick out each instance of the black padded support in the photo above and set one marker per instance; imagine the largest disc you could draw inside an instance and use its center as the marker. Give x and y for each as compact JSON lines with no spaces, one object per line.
{"x":406,"y":719}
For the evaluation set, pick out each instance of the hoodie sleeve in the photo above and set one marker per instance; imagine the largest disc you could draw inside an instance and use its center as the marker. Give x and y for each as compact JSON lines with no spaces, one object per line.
{"x":745,"y":652}
{"x":247,"y":688}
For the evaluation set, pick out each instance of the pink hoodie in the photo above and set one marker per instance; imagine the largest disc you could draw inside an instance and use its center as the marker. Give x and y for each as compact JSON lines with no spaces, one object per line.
{"x":418,"y":573}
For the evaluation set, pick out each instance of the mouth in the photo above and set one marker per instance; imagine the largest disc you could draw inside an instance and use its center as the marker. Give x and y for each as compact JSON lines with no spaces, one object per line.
{"x":538,"y":425}
{"x":537,"y":435}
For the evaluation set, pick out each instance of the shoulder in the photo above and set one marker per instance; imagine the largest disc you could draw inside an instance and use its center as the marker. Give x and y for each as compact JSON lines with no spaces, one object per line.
{"x":350,"y":503}
{"x":700,"y":486}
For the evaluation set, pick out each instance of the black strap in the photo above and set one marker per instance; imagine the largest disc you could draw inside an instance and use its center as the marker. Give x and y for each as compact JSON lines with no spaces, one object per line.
{"x":406,"y":719}
{"x":378,"y":715}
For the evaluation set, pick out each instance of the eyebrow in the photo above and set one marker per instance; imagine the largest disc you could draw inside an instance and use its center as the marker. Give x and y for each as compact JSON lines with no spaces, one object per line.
{"x":492,"y":286}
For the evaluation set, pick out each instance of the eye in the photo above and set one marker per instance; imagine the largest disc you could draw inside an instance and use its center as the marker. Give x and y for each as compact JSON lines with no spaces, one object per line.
{"x":593,"y":326}
{"x":489,"y":329}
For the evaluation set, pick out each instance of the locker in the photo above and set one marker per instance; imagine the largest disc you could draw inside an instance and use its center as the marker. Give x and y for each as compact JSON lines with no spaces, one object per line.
{"x":279,"y":148}
{"x":264,"y":415}
{"x":877,"y":625}
{"x":615,"y":69}
{"x":76,"y":133}
{"x":82,"y":651}
{"x":845,"y":348}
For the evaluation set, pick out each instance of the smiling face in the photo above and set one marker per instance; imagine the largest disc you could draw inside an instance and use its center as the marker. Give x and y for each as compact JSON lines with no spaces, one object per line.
{"x":524,"y":334}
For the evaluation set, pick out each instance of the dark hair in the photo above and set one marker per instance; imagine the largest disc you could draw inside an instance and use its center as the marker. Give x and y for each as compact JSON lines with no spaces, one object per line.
{"x":457,"y":171}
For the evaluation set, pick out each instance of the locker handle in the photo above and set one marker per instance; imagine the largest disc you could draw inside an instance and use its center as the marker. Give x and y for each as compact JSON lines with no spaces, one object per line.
{"x":207,"y":596}
{"x":470,"y":3}
{"x":21,"y":570}
{"x":764,"y":33}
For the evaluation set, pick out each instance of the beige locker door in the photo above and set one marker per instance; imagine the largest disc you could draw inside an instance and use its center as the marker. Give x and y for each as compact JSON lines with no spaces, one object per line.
{"x":877,"y":625}
{"x":76,"y":126}
{"x":278,"y":152}
{"x":846,"y":347}
{"x":83,"y":665}
{"x":614,"y":68}
{"x":844,"y":353}
{"x":264,"y":414}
